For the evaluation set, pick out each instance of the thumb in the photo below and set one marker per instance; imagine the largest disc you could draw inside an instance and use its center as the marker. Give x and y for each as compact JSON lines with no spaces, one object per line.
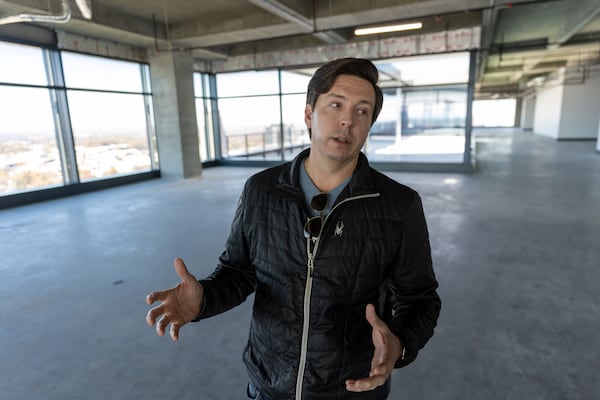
{"x":373,"y":319}
{"x":182,"y":270}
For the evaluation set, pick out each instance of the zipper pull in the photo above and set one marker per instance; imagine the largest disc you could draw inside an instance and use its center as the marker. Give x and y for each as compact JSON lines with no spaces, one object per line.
{"x":310,"y":265}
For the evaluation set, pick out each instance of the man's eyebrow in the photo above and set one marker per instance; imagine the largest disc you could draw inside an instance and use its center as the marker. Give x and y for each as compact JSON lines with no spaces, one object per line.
{"x":341,"y":96}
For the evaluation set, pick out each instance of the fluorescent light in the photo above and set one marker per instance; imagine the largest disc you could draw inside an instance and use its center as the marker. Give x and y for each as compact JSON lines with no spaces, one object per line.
{"x":387,"y":28}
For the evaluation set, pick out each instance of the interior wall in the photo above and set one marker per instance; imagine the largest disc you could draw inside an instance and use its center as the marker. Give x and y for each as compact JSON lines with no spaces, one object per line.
{"x":547,"y":111}
{"x":580,"y":108}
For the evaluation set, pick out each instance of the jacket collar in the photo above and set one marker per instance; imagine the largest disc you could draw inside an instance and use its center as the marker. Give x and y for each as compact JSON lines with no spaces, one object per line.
{"x":362,"y":181}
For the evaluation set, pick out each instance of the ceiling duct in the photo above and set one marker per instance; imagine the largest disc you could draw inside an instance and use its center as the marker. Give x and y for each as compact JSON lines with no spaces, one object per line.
{"x":63,"y":17}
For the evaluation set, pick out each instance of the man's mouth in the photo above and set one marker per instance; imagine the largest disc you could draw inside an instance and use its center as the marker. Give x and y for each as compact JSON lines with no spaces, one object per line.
{"x":341,"y":139}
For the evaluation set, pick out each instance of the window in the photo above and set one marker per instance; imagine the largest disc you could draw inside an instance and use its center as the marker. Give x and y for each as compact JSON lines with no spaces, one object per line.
{"x":98,"y":73}
{"x":423,"y":119}
{"x":494,"y":113}
{"x":67,"y":118}
{"x":250,"y":122}
{"x":294,"y":84}
{"x":109,"y":131}
{"x":29,"y":156}
{"x":107,"y":106}
{"x":206,"y":137}
{"x":250,"y":127}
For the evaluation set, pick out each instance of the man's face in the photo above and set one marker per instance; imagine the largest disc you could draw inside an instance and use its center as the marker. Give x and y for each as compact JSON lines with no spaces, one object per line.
{"x":341,"y":118}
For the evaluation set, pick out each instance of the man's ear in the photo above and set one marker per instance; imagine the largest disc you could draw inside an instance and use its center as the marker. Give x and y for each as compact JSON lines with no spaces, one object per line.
{"x":308,"y":116}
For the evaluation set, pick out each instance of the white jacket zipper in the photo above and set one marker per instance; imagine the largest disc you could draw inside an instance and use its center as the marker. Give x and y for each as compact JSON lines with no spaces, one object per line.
{"x":308,"y":291}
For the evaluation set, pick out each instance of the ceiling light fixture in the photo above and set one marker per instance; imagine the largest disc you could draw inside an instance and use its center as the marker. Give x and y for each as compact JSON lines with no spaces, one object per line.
{"x":387,"y":28}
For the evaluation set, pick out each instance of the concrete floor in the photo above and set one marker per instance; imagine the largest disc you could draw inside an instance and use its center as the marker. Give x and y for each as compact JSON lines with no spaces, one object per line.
{"x":516,"y":248}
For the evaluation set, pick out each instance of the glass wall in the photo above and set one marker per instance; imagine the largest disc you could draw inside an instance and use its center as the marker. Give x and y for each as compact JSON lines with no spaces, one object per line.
{"x":423,"y":120}
{"x":293,"y":103}
{"x":206,"y":138}
{"x":108,"y":116}
{"x":424,"y":115}
{"x":420,"y":125}
{"x":67,"y":118}
{"x":494,"y":113}
{"x":249,"y":115}
{"x":261,"y":114}
{"x":29,"y":157}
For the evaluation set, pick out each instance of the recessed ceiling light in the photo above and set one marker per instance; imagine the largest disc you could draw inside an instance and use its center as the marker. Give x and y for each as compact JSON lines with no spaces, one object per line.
{"x":387,"y":28}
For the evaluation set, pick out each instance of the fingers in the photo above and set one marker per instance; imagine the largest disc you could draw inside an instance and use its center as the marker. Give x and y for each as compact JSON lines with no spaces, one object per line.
{"x":169,"y":311}
{"x":182,"y":270}
{"x":156,"y":296}
{"x":153,"y":314}
{"x":161,"y":325}
{"x":163,"y":322}
{"x":365,"y":384}
{"x":382,"y":363}
{"x":174,"y":331}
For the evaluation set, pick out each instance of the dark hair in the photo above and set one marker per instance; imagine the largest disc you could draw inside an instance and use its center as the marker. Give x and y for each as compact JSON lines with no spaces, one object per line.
{"x":324,"y":77}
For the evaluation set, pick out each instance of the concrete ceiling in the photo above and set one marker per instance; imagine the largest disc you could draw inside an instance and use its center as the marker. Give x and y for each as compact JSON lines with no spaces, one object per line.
{"x":523,"y":42}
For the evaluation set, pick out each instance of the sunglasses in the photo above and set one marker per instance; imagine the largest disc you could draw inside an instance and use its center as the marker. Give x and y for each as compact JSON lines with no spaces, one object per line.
{"x":313,"y":226}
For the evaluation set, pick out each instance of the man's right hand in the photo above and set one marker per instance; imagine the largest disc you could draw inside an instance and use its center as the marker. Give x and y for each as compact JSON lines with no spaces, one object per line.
{"x":180,"y":304}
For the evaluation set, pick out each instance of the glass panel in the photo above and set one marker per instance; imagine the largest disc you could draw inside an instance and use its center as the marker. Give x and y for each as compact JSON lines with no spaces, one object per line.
{"x":425,"y":70}
{"x":205,"y":136}
{"x":295,"y":133}
{"x":247,"y":83}
{"x":198,"y":91}
{"x":29,"y":156}
{"x":494,"y":113}
{"x":420,"y":125}
{"x":210,"y":131}
{"x":90,"y":72}
{"x":22,"y":64}
{"x":250,"y":127}
{"x":203,"y":116}
{"x":109,"y":132}
{"x":294,"y":81}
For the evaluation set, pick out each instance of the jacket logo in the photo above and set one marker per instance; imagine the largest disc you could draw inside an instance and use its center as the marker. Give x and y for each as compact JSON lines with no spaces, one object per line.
{"x":339,"y":229}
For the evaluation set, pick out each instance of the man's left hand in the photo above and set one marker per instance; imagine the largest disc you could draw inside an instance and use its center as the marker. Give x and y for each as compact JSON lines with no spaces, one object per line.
{"x":388,"y":350}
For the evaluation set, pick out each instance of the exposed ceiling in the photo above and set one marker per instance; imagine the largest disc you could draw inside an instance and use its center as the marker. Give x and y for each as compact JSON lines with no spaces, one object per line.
{"x":523,"y":42}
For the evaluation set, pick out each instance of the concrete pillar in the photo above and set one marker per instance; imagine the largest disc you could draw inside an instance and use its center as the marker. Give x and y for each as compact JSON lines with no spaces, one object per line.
{"x":175,"y":114}
{"x":518,"y":112}
{"x":527,"y":113}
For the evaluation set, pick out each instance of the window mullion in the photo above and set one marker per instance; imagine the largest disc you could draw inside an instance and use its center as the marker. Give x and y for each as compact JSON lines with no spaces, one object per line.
{"x":62,"y":120}
{"x":149,"y":112}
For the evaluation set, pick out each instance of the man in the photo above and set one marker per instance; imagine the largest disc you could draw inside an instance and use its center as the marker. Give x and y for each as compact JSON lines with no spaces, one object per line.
{"x":337,"y":254}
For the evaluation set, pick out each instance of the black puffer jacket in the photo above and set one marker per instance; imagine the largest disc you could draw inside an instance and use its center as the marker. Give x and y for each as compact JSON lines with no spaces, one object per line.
{"x":309,"y":332}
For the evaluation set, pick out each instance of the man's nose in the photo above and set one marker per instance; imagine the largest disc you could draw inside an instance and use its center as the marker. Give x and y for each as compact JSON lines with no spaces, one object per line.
{"x":346,"y":120}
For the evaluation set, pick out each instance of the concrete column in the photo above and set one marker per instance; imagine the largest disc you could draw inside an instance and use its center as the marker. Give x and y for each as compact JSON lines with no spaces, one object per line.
{"x":518,"y":112}
{"x":527,"y":113}
{"x":175,"y":114}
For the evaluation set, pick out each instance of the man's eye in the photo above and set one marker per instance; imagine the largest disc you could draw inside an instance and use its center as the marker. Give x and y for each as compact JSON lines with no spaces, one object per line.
{"x":335,"y":105}
{"x":363,"y":111}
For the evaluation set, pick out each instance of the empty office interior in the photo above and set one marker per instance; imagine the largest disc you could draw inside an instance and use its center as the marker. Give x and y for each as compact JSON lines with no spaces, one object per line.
{"x":128,"y":129}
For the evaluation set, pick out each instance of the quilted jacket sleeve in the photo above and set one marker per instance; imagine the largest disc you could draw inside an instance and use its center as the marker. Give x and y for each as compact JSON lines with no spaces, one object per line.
{"x":412,"y":303}
{"x":234,"y":278}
